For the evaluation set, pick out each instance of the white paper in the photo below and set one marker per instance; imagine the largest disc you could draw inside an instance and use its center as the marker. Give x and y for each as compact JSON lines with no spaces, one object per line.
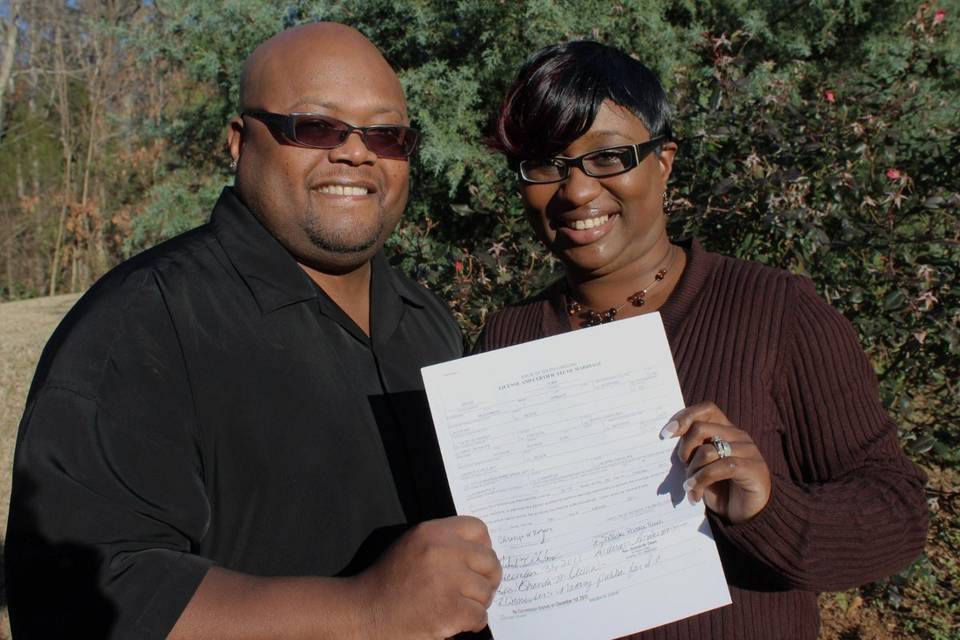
{"x":554,"y":444}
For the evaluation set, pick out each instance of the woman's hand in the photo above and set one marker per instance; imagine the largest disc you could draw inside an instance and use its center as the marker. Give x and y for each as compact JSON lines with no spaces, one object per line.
{"x":737,"y":486}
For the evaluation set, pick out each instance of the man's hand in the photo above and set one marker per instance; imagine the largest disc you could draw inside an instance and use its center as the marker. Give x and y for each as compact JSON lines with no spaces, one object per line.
{"x":434,"y":582}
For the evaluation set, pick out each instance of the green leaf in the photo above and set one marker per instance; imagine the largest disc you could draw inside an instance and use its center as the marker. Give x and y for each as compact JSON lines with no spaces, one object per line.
{"x":894,"y":300}
{"x":922,"y":444}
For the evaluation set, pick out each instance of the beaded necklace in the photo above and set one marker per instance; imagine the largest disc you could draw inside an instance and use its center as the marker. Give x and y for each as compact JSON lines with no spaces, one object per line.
{"x":637,"y":299}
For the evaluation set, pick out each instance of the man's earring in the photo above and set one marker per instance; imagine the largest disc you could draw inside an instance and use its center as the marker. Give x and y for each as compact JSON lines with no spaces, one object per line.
{"x":233,"y":165}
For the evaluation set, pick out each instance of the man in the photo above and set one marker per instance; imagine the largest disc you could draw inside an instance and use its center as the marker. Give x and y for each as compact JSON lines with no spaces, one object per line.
{"x":227,"y":420}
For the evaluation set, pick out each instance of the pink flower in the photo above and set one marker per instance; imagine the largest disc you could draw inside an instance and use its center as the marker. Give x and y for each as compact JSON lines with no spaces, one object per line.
{"x":938,"y":16}
{"x":893,"y":174}
{"x":458,"y":266}
{"x":829,"y":96}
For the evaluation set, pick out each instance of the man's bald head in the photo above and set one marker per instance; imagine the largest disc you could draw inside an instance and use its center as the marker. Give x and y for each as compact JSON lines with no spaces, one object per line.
{"x":272,"y":61}
{"x":332,"y":208}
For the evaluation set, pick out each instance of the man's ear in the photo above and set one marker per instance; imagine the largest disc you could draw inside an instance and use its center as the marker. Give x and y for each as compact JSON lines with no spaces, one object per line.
{"x":235,"y":137}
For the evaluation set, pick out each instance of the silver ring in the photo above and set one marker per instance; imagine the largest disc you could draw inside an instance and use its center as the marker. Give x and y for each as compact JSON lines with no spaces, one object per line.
{"x":722,"y":446}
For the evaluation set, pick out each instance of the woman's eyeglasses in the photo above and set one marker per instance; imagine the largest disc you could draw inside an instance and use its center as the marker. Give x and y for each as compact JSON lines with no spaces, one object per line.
{"x":601,"y":163}
{"x":322,"y":132}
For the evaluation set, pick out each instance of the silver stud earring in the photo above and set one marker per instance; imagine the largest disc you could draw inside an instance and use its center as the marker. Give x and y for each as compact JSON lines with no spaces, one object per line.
{"x":233,"y":165}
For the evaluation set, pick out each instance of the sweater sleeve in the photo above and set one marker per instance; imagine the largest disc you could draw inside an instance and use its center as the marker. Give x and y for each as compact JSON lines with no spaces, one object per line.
{"x":853,"y":509}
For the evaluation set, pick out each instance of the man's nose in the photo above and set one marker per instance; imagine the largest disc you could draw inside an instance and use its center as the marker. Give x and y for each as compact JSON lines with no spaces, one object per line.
{"x":353,"y":150}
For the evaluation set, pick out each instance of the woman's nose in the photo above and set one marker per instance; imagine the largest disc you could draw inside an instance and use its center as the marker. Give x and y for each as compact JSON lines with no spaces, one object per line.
{"x":579,"y":188}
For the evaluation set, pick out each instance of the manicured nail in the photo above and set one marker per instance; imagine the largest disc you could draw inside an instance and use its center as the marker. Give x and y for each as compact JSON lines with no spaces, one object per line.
{"x":688,"y":484}
{"x":669,"y":430}
{"x":691,"y":499}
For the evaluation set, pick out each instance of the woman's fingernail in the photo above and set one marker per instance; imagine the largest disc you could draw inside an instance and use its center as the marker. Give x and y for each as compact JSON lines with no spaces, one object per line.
{"x":669,"y":430}
{"x":688,"y":484}
{"x":691,"y":499}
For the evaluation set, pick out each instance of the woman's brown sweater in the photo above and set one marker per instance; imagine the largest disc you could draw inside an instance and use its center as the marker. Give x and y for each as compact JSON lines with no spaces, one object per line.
{"x":846,"y":507}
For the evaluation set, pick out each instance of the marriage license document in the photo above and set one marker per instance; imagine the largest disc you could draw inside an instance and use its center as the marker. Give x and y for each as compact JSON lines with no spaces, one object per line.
{"x":554,"y":445}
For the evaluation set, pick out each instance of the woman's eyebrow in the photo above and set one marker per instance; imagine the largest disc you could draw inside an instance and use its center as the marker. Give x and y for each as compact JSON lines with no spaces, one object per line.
{"x":606,"y":133}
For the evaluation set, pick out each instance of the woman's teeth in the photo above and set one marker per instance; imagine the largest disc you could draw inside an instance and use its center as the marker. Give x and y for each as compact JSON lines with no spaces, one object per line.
{"x":340,"y":190}
{"x":589,"y":223}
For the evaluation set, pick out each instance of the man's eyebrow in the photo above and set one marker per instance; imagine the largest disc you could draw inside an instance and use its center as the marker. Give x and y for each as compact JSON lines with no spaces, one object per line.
{"x":333,"y":106}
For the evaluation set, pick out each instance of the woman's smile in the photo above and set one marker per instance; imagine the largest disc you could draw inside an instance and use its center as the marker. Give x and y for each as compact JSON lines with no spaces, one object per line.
{"x":581,"y":230}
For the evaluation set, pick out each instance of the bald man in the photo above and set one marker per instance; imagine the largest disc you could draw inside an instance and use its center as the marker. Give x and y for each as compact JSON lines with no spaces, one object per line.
{"x":227,"y":437}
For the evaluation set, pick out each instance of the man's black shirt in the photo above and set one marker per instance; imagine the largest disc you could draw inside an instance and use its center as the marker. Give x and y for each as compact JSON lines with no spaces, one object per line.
{"x":206,"y":403}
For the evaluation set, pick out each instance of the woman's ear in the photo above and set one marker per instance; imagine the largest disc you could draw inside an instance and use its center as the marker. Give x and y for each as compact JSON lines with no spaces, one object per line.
{"x":667,"y":153}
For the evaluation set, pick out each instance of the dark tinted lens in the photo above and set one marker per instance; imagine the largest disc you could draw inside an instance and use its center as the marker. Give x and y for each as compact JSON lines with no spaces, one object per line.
{"x":391,"y":142}
{"x":319,"y":132}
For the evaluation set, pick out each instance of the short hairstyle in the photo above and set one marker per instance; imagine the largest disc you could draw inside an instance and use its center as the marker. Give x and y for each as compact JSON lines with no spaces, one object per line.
{"x":559,"y":90}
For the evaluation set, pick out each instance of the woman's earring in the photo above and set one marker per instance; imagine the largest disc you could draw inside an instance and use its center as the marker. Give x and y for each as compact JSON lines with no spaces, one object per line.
{"x":233,"y":165}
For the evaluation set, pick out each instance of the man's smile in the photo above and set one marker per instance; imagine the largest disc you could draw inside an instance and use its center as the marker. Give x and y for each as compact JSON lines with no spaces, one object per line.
{"x":341,"y":190}
{"x":350,"y":186}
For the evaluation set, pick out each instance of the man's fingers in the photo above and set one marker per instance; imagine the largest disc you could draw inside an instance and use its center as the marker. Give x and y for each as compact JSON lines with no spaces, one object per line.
{"x":466,"y":614}
{"x":681,"y":422}
{"x":478,"y":588}
{"x":484,"y":560}
{"x":472,"y":615}
{"x":470,"y":528}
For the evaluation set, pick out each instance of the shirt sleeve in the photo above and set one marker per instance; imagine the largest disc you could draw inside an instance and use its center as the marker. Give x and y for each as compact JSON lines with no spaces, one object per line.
{"x":108,"y":496}
{"x":852,"y":509}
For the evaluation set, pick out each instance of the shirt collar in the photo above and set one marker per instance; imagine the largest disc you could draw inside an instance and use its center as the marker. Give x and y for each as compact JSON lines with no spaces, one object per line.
{"x":270,"y":272}
{"x":406,"y":289}
{"x":389,"y":295}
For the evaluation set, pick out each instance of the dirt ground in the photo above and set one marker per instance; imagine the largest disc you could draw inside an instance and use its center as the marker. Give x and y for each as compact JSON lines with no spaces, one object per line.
{"x":25,"y":327}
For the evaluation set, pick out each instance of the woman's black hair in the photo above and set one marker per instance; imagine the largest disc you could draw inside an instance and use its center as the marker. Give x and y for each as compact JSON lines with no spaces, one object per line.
{"x":559,"y":90}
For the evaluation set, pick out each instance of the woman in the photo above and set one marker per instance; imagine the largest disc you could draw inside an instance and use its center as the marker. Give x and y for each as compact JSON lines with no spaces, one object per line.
{"x":784,"y":438}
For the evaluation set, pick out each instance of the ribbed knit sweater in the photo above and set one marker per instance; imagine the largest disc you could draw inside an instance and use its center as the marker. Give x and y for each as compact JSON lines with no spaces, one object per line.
{"x":846,"y":506}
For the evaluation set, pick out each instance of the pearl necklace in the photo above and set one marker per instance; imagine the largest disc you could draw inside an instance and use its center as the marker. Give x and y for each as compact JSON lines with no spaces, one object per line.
{"x":637,"y":299}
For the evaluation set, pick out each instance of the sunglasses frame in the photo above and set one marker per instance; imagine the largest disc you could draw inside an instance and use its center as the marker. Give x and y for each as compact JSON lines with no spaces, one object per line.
{"x":286,"y":124}
{"x":640,"y":151}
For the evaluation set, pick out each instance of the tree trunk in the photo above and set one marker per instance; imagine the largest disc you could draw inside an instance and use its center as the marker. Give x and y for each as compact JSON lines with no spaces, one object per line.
{"x":11,"y":277}
{"x":8,"y":29}
{"x":63,"y":105}
{"x":37,"y":256}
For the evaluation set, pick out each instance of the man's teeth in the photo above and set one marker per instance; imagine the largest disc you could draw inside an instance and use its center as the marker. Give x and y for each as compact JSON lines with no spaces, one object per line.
{"x":340,"y":190}
{"x":589,"y":223}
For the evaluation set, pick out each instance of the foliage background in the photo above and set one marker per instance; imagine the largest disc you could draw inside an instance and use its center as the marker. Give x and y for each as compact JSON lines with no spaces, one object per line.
{"x":819,"y":136}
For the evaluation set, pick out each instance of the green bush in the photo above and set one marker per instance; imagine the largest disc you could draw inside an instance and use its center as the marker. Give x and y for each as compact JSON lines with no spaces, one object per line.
{"x":821,"y":137}
{"x":790,"y":154}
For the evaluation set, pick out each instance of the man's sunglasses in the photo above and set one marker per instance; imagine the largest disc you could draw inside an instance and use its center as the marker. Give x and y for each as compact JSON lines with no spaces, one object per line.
{"x":317,"y":131}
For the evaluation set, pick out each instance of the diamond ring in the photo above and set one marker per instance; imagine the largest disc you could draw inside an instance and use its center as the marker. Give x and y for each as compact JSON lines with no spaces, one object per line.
{"x":722,"y":446}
